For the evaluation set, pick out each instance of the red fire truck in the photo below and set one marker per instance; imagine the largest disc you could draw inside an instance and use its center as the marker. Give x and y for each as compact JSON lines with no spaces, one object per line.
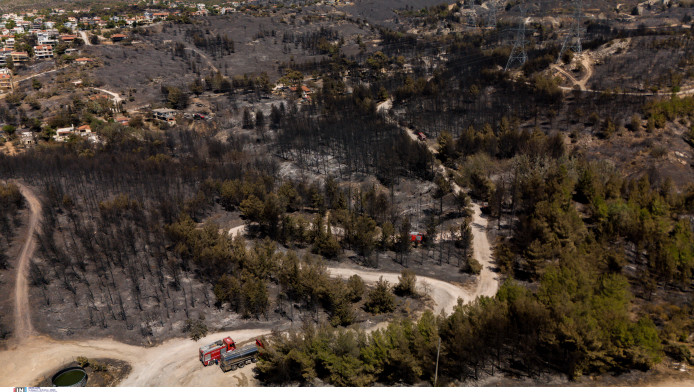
{"x":416,"y":237}
{"x":212,"y":353}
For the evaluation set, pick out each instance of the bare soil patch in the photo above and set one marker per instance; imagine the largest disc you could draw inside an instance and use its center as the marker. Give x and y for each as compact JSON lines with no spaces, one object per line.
{"x":101,"y":372}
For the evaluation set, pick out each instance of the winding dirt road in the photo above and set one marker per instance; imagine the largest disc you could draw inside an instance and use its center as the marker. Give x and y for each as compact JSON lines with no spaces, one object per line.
{"x":583,"y":83}
{"x":444,"y":294}
{"x":584,"y":80}
{"x":174,"y":362}
{"x":203,"y":55}
{"x":22,"y":316}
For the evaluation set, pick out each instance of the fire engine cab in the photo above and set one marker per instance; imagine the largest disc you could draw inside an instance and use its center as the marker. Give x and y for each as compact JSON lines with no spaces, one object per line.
{"x":213,"y":352}
{"x":416,"y":237}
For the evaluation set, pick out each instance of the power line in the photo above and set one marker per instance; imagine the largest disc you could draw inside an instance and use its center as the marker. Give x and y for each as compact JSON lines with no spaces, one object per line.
{"x":492,"y":15}
{"x":573,"y":38}
{"x":518,"y":53}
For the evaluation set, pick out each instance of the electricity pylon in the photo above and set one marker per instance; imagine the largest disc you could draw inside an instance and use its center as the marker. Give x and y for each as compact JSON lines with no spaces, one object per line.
{"x":573,"y":38}
{"x":518,"y":53}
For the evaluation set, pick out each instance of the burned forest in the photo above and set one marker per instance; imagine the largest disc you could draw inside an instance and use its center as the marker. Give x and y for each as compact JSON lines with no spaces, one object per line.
{"x":411,"y":193}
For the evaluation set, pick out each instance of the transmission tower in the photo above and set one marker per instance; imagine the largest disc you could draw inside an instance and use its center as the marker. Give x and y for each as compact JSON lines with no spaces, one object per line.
{"x":573,"y":38}
{"x":491,"y":15}
{"x":518,"y":53}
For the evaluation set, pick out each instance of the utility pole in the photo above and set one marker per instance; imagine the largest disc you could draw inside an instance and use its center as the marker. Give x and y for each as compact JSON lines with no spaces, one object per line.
{"x":436,"y":372}
{"x":518,"y":53}
{"x":573,"y":38}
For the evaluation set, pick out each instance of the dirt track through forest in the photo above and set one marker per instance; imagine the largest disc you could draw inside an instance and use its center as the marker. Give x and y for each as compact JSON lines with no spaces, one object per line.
{"x":22,"y":316}
{"x":175,"y":362}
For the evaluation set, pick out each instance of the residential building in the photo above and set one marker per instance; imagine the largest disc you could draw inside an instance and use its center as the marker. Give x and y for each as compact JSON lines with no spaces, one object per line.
{"x":4,"y":55}
{"x":68,"y":37}
{"x":19,"y":57}
{"x":84,"y":129}
{"x":43,"y":51}
{"x":61,"y":134}
{"x":27,"y":137}
{"x":45,"y":39}
{"x":5,"y":81}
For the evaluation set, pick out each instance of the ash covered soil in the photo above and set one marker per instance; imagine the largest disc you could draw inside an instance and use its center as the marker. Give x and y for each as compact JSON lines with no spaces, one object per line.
{"x":261,"y":44}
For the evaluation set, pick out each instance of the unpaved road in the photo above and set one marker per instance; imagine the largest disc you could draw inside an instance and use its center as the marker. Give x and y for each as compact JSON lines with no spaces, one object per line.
{"x":203,"y":55}
{"x":174,"y":362}
{"x":83,"y":34}
{"x":583,"y":83}
{"x":487,"y":282}
{"x":444,"y":294}
{"x":116,"y":97}
{"x":22,"y":316}
{"x":584,"y":80}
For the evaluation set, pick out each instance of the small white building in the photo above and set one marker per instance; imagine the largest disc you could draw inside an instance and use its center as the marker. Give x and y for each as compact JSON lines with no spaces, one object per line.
{"x":61,"y":134}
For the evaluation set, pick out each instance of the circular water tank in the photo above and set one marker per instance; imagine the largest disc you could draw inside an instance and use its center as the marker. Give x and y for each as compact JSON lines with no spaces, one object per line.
{"x":70,"y":377}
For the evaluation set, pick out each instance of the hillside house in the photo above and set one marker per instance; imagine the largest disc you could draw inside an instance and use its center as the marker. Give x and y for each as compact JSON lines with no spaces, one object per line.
{"x":27,"y":138}
{"x":118,"y":37}
{"x":19,"y":57}
{"x":68,"y":38}
{"x":43,"y":51}
{"x":61,"y":134}
{"x":83,"y":60}
{"x":5,"y":82}
{"x":45,"y":39}
{"x":4,"y":55}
